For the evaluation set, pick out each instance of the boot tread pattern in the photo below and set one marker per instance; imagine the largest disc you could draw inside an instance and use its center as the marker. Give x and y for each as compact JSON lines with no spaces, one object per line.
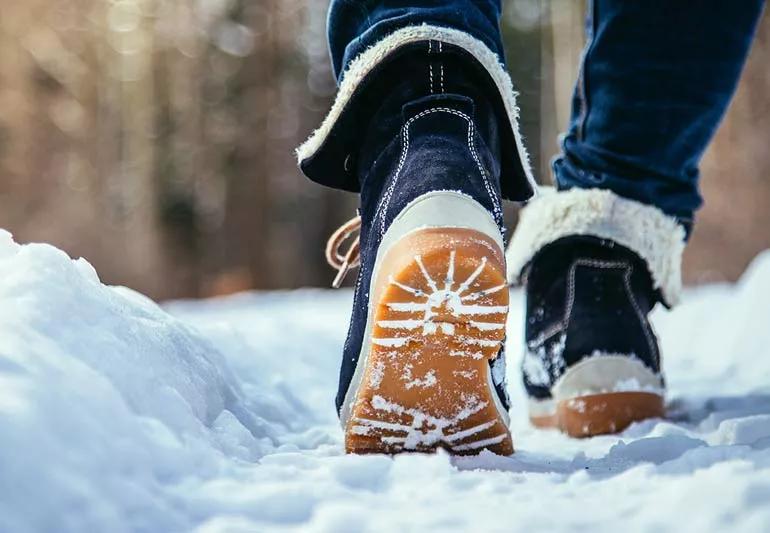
{"x":439,"y":320}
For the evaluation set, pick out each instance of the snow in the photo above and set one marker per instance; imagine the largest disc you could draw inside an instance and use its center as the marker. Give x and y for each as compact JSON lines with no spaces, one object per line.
{"x":119,"y":415}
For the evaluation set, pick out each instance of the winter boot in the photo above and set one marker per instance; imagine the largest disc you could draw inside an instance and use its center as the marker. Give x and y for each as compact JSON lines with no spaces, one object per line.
{"x":594,"y":265}
{"x":419,"y":133}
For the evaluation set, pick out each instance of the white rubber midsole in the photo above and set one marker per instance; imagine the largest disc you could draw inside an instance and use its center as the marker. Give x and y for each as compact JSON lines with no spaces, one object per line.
{"x":437,"y":209}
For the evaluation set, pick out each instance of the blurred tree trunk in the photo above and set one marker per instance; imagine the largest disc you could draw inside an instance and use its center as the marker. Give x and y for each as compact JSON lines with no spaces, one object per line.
{"x":131,"y":71}
{"x":247,"y":202}
{"x":561,"y":47}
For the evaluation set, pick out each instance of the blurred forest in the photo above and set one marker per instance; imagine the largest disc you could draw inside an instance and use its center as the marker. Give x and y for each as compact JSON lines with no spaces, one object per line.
{"x":155,"y":138}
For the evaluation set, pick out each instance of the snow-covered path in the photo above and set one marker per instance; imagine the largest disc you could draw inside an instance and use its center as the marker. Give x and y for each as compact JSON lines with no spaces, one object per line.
{"x":118,"y":416}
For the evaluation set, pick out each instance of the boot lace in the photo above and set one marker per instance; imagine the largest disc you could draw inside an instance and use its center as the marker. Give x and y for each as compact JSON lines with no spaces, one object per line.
{"x":344,"y":262}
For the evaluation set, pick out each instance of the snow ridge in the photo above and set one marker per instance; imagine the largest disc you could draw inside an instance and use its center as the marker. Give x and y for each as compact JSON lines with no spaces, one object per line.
{"x":116,"y":415}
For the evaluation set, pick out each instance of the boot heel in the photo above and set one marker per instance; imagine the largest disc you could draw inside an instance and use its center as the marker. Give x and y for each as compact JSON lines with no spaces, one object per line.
{"x":602,"y":414}
{"x":601,"y":395}
{"x":439,"y":307}
{"x":599,"y":414}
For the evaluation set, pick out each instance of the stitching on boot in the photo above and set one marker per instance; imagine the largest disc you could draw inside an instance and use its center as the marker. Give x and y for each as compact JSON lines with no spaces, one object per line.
{"x":359,"y":278}
{"x":563,"y":324}
{"x":385,"y":202}
{"x":628,"y":270}
{"x":441,"y":66}
{"x":640,"y":315}
{"x":362,"y":65}
{"x":430,"y":66}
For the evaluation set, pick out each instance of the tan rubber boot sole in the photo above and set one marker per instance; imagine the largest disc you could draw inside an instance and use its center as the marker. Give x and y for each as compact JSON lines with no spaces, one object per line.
{"x":441,"y":303}
{"x":601,"y":414}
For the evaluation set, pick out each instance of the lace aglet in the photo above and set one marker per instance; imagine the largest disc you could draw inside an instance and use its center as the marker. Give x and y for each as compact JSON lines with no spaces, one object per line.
{"x":341,"y":273}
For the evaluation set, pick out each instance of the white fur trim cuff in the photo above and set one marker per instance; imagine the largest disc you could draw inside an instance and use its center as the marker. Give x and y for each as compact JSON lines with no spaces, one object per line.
{"x":656,"y":237}
{"x":360,"y":67}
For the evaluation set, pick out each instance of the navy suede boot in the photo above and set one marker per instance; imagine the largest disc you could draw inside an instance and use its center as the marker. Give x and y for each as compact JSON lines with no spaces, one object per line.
{"x":420,"y":135}
{"x":594,"y":265}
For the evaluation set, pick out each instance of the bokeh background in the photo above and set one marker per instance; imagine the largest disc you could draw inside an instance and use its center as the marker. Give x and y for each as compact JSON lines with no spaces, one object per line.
{"x":155,"y":138}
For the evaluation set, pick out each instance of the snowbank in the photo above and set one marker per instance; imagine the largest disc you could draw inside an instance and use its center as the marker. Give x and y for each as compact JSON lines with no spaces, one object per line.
{"x":118,"y":416}
{"x":107,"y":402}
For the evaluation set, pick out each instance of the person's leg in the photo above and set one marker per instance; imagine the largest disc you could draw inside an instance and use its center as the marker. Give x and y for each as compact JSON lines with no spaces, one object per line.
{"x":597,"y":255}
{"x":387,"y":53}
{"x":424,"y":127}
{"x":655,"y":81}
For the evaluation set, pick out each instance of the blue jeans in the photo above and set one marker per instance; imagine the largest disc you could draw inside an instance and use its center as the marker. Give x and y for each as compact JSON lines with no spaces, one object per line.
{"x":655,"y":80}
